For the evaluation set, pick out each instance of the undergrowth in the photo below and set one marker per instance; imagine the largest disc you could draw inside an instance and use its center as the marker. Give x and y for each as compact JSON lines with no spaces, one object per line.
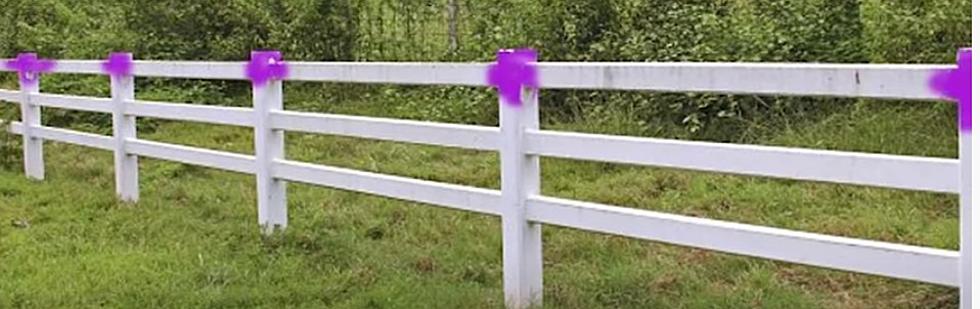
{"x":193,"y":241}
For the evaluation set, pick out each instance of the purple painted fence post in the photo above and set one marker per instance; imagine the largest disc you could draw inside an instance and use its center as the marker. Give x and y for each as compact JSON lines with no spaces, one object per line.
{"x":266,"y":70}
{"x":515,"y":77}
{"x":119,"y":67}
{"x":961,"y":85}
{"x":29,"y":69}
{"x":957,"y":85}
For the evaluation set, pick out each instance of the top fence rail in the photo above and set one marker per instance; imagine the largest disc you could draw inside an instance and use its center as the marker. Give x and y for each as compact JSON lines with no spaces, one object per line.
{"x":882,"y":81}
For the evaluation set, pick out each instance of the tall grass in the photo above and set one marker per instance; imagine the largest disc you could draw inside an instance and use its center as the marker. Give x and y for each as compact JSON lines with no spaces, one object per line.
{"x":193,"y":241}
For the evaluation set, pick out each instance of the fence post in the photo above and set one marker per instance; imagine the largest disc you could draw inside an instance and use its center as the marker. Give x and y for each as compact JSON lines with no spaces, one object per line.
{"x":520,"y":178}
{"x":30,"y":113}
{"x":124,"y":127}
{"x":966,"y":218}
{"x":269,"y":146}
{"x":966,"y":182}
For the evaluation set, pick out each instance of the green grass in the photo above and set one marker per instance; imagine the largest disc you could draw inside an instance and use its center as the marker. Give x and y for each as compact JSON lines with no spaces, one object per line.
{"x":193,"y":240}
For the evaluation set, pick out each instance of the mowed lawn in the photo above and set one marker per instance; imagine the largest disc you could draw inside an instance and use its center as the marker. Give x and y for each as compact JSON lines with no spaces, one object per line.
{"x":193,"y":240}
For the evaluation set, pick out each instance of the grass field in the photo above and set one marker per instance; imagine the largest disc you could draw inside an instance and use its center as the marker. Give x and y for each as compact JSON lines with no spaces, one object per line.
{"x":193,"y":241}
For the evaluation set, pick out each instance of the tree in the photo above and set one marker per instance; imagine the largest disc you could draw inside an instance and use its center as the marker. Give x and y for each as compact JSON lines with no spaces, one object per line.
{"x":452,"y":8}
{"x":328,"y":32}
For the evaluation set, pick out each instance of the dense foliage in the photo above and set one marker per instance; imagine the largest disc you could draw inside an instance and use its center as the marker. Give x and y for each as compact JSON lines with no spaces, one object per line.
{"x":563,"y":30}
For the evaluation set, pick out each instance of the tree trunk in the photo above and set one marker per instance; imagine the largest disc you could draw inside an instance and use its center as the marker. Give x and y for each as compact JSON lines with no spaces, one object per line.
{"x":452,"y":8}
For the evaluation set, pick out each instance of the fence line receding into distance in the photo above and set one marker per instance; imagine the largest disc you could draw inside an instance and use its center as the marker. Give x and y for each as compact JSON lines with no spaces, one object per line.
{"x":520,"y":142}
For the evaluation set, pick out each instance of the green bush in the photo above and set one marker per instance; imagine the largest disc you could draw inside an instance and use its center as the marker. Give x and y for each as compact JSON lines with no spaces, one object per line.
{"x":562,"y":30}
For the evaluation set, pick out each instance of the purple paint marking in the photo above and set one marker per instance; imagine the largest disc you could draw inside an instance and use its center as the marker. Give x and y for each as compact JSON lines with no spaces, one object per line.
{"x":29,"y":67}
{"x":512,"y":71}
{"x":265,"y":66}
{"x":957,"y":84}
{"x":118,"y":64}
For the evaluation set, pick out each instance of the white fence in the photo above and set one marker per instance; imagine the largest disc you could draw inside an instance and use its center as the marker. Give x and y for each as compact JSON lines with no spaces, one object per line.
{"x":520,"y":143}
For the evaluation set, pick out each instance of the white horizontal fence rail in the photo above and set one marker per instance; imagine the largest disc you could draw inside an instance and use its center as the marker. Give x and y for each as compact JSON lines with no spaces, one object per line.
{"x":419,"y":132}
{"x":447,"y":195}
{"x":232,"y":116}
{"x":886,"y":81}
{"x":192,"y":155}
{"x":900,"y":172}
{"x":872,"y":257}
{"x":520,"y":142}
{"x":67,"y":136}
{"x":88,"y":104}
{"x":9,"y":96}
{"x":897,"y":81}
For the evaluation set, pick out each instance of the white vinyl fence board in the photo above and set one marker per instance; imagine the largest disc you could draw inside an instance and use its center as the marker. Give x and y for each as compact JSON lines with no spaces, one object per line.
{"x":10,"y":96}
{"x":191,"y":155}
{"x":864,"y":256}
{"x":447,"y":195}
{"x":233,"y":116}
{"x":420,"y":132}
{"x":88,"y":104}
{"x":67,"y":136}
{"x":407,"y":73}
{"x":190,"y":69}
{"x":79,"y":66}
{"x":891,"y":81}
{"x":891,"y":171}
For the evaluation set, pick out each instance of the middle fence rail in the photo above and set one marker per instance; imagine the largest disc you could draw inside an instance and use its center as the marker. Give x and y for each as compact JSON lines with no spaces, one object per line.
{"x":520,"y":142}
